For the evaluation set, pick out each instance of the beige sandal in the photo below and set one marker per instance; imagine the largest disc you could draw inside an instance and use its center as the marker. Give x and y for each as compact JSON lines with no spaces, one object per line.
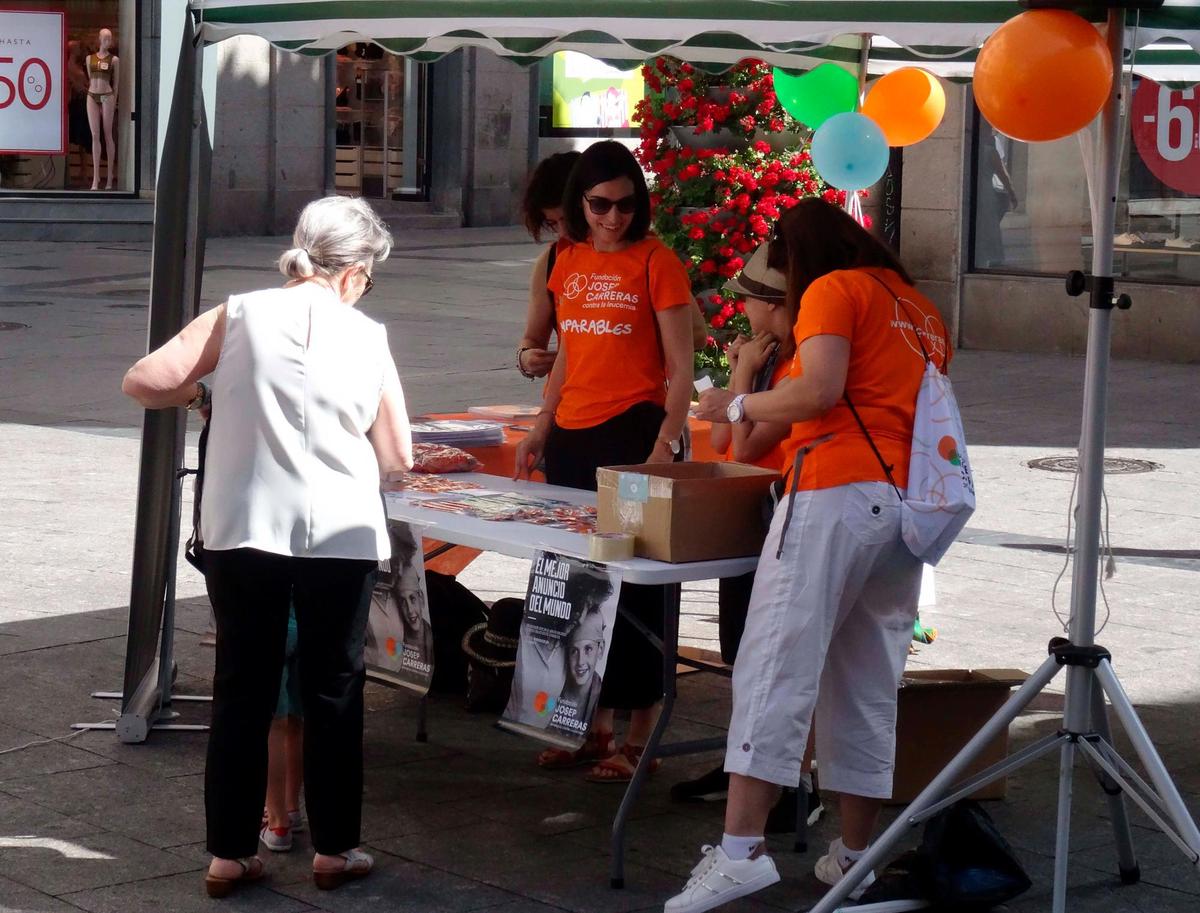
{"x":252,"y":870}
{"x":357,"y":865}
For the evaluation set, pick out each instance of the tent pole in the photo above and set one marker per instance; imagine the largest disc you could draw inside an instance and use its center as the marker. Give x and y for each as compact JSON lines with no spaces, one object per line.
{"x":174,"y":296}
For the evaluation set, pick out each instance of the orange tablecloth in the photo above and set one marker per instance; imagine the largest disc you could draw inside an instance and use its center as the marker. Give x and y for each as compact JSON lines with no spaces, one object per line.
{"x":500,"y":460}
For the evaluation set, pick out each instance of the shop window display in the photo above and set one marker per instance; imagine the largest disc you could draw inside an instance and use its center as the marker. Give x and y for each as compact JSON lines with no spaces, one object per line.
{"x":1030,"y":201}
{"x":380,"y":104}
{"x":68,"y":125}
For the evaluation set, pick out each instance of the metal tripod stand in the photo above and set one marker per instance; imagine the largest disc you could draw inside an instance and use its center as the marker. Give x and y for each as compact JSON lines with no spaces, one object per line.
{"x":1090,"y":676}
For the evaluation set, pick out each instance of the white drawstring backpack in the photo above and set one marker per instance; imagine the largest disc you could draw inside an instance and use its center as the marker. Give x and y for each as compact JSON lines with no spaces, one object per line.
{"x":941,"y":489}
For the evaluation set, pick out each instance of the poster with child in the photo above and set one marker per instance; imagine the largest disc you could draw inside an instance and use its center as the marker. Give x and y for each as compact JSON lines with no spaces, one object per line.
{"x":399,"y":646}
{"x":570,"y":608}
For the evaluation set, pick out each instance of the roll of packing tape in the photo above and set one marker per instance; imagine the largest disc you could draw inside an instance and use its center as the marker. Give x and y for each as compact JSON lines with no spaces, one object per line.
{"x":610,"y":546}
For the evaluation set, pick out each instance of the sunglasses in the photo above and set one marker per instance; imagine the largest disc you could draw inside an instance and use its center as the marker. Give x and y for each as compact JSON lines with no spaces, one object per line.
{"x":601,"y":205}
{"x":370,"y":284}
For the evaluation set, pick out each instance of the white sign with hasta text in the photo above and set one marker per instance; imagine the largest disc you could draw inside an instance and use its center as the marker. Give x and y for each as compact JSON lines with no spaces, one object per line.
{"x":32,"y":82}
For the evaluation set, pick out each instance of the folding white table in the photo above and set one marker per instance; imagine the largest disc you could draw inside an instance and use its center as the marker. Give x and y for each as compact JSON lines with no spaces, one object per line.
{"x":522,"y":540}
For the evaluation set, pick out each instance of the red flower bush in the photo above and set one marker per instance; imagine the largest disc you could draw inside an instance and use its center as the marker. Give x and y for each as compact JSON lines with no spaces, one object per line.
{"x":715,"y":205}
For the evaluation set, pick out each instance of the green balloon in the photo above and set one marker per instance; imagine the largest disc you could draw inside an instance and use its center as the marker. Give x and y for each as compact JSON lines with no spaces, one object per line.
{"x":817,"y":95}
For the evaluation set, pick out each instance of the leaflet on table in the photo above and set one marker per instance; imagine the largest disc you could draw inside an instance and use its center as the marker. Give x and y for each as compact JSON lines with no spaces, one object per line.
{"x":399,"y":646}
{"x":570,"y":609}
{"x":511,"y":506}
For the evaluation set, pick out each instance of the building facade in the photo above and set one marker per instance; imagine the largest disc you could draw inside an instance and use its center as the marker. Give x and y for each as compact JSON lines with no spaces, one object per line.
{"x":990,"y":226}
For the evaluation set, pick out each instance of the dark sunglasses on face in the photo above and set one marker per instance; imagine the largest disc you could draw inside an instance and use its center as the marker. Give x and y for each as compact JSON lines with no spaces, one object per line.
{"x":367,"y":286}
{"x":601,"y":205}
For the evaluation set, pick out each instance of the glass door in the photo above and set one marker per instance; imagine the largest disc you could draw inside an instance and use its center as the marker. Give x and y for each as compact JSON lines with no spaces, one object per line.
{"x":379,"y":99}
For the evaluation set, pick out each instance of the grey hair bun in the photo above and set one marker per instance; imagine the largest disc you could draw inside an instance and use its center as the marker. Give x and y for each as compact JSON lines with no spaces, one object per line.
{"x":296,"y":264}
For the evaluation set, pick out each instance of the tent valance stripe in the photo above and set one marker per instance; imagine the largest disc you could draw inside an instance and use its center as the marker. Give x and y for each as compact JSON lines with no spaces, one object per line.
{"x":941,"y":35}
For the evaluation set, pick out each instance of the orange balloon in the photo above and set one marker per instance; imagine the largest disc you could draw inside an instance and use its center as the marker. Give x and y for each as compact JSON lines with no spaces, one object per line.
{"x":1043,"y":75}
{"x":907,"y":104}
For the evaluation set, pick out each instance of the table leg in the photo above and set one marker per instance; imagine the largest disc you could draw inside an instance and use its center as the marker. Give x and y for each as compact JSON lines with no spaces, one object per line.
{"x":422,"y":718}
{"x":670,"y":648}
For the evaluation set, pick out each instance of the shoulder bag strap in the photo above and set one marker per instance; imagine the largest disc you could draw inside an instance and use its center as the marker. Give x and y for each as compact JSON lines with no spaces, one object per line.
{"x":887,"y":469}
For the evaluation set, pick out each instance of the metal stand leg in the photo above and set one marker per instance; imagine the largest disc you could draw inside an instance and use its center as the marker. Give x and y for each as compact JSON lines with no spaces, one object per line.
{"x":670,"y":647}
{"x":1171,"y":802}
{"x":1062,"y":837}
{"x":925,"y":803}
{"x":1127,"y":864}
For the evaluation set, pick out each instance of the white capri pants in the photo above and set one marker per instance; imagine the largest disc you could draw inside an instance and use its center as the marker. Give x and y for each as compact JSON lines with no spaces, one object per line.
{"x":832,"y":616}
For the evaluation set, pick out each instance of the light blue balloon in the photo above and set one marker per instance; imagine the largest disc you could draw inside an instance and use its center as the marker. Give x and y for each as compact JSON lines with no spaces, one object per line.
{"x":850,"y":151}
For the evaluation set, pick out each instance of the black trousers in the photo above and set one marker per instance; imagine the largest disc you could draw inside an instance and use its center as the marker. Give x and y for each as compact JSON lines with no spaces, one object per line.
{"x":250,"y":593}
{"x":633,"y":678}
{"x":733,"y":605}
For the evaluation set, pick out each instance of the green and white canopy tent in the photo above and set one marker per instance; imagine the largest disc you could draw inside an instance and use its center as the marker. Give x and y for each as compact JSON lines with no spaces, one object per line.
{"x":943,"y":35}
{"x":1161,"y":42}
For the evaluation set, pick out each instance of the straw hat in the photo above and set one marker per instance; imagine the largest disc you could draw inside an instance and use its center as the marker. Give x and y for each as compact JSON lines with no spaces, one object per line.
{"x":757,"y":280}
{"x":494,"y":642}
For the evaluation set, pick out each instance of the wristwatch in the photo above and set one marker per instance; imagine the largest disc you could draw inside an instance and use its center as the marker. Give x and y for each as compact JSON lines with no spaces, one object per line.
{"x":736,"y":411}
{"x":672,"y":443}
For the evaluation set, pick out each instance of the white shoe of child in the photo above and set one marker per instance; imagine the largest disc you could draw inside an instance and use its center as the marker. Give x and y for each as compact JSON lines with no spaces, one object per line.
{"x":831,"y":868}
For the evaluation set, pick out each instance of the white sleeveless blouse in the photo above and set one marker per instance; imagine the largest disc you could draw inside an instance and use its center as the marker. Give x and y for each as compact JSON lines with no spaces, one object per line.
{"x":289,"y":468}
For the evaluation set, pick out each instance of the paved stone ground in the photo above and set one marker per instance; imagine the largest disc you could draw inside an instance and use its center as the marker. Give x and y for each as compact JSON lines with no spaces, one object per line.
{"x":466,"y":822}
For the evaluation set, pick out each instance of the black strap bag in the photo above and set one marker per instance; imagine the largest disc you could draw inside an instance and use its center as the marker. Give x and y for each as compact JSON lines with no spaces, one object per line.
{"x":963,"y":865}
{"x":193,"y":551}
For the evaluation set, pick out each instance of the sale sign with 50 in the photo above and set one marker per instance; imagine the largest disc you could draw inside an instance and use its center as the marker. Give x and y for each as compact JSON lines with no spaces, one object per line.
{"x":1166,"y":131}
{"x":33,"y":104}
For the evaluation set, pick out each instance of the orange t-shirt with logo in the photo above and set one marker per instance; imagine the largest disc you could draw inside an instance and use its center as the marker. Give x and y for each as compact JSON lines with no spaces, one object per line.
{"x":882,"y":378}
{"x":605,"y":304}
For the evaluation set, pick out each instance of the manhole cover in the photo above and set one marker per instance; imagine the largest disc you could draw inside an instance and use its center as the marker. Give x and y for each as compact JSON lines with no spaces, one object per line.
{"x":131,"y":306}
{"x":13,"y":326}
{"x":23,"y":304}
{"x":1113,"y":466}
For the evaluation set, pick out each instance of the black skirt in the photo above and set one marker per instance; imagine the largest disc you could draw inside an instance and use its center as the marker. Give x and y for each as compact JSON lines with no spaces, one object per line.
{"x":633,"y":677}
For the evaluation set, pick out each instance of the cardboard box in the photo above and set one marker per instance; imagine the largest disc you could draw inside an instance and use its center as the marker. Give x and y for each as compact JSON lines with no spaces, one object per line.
{"x":686,"y":511}
{"x":938,"y":712}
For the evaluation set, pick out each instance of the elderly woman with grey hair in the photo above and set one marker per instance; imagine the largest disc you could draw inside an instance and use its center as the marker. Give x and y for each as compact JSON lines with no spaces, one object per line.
{"x":307,"y":416}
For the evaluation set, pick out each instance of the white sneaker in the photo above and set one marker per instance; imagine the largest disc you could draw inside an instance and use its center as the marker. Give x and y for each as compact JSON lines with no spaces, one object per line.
{"x":276,"y":839}
{"x":829,"y":870}
{"x":717,"y":879}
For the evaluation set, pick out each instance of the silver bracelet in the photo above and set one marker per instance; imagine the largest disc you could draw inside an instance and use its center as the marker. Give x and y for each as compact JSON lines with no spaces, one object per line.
{"x":520,"y":367}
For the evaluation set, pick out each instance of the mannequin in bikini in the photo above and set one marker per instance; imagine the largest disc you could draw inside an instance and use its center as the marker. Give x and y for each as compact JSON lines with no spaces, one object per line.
{"x":102,"y":71}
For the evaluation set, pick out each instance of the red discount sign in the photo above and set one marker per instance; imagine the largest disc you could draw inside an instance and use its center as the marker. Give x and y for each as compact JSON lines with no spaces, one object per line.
{"x":32,"y":97}
{"x":1166,"y":132}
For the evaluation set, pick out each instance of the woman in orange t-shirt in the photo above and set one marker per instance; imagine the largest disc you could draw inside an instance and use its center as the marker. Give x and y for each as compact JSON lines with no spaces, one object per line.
{"x":542,"y":210}
{"x":836,"y":590}
{"x":618,"y":393}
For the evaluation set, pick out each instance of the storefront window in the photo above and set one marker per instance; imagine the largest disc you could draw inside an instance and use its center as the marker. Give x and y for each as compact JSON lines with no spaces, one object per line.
{"x":381,"y":105}
{"x":67,"y":95}
{"x":1031,"y":209}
